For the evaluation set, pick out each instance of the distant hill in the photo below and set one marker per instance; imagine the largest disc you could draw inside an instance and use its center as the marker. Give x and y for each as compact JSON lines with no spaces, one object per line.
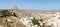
{"x":41,"y":11}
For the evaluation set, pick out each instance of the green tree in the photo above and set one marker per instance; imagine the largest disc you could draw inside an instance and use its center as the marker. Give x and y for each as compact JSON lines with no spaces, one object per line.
{"x":35,"y":21}
{"x":5,"y":13}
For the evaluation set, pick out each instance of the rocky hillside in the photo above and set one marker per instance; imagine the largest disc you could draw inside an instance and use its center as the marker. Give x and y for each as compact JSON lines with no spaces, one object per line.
{"x":22,"y":18}
{"x":8,"y":19}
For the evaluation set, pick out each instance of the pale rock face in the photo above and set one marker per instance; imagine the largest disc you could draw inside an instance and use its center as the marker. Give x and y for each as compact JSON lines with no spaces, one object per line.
{"x":8,"y":20}
{"x":1,"y":26}
{"x":25,"y":21}
{"x":36,"y":25}
{"x":54,"y":21}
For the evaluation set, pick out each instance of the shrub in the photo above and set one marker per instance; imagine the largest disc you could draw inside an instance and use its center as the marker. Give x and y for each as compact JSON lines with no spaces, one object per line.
{"x":7,"y":13}
{"x":14,"y":14}
{"x":35,"y":21}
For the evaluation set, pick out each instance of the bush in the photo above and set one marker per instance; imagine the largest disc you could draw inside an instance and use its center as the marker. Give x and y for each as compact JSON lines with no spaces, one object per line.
{"x":14,"y":14}
{"x":41,"y":20}
{"x":7,"y":13}
{"x":35,"y":21}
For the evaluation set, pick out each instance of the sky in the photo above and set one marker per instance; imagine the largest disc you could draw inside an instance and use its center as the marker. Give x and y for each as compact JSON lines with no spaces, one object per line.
{"x":31,"y":4}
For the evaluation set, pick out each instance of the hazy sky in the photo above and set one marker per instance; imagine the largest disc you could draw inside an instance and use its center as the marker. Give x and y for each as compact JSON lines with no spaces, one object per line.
{"x":31,"y":4}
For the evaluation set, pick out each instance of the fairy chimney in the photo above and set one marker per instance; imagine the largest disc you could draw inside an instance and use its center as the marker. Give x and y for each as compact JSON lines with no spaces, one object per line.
{"x":14,"y":8}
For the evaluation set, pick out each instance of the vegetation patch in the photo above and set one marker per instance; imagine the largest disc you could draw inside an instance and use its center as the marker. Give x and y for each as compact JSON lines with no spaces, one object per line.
{"x":35,"y":21}
{"x":4,"y":13}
